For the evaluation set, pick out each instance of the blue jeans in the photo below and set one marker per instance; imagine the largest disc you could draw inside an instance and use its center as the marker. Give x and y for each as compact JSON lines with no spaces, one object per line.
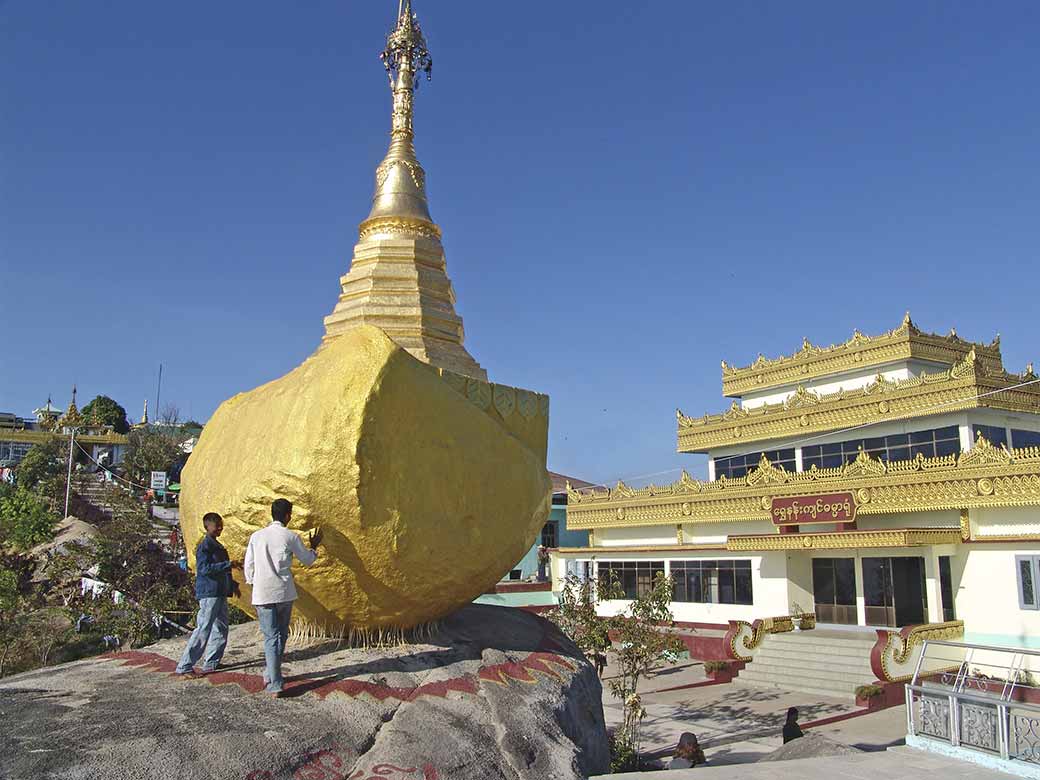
{"x":209,"y":637}
{"x":274,"y":623}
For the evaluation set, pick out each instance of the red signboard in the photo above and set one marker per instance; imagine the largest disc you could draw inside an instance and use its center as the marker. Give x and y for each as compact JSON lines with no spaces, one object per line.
{"x":800,"y":510}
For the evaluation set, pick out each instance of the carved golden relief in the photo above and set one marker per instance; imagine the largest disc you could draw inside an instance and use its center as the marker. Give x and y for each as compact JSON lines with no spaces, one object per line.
{"x":811,"y":361}
{"x":843,"y":540}
{"x":982,"y":477}
{"x":899,"y":650}
{"x":403,"y":227}
{"x":955,"y":389}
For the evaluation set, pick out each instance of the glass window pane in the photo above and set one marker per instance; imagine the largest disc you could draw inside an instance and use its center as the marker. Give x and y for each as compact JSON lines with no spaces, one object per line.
{"x":917,"y":437}
{"x":1027,"y":588}
{"x":832,"y":449}
{"x":947,"y":447}
{"x":897,"y":439}
{"x":743,"y":582}
{"x":899,"y":453}
{"x":811,"y":452}
{"x":874,"y":444}
{"x":727,"y":590}
{"x":928,"y":450}
{"x":1025,"y":438}
{"x":845,"y":581}
{"x":832,"y":461}
{"x":951,"y":432}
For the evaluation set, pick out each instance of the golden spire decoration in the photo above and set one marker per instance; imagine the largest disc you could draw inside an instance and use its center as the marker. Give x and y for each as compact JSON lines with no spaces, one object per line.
{"x":400,"y":180}
{"x":398,"y":280}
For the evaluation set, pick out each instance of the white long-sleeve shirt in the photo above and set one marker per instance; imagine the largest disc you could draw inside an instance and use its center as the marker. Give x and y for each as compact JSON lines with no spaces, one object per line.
{"x":268,"y":564}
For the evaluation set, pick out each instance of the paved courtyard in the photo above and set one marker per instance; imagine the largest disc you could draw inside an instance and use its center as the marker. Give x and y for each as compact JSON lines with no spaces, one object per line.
{"x":738,"y":724}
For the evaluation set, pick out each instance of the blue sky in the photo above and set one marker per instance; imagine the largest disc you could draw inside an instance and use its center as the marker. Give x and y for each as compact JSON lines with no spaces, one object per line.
{"x":629,"y":192}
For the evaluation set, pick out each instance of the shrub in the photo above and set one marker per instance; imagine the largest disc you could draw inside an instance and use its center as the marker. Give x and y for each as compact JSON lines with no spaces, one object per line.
{"x":869,"y":691}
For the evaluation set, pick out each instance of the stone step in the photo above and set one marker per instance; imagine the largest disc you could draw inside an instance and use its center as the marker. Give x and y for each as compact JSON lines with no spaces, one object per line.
{"x":840,"y":694}
{"x":807,"y":638}
{"x":788,"y":655}
{"x":759,"y":669}
{"x":845,"y":687}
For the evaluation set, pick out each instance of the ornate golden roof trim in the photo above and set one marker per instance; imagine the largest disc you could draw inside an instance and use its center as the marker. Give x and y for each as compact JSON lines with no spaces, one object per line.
{"x":398,"y":227}
{"x":807,"y":412}
{"x":37,"y":437}
{"x":858,"y":352}
{"x":641,"y":548}
{"x":985,"y":476}
{"x":844,"y":540}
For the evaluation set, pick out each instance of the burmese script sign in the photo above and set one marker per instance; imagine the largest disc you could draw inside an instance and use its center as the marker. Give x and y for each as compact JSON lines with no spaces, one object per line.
{"x":829,"y":508}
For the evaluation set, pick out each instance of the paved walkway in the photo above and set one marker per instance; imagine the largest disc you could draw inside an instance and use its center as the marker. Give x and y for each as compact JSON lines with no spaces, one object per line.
{"x":740,"y":724}
{"x":898,"y":764}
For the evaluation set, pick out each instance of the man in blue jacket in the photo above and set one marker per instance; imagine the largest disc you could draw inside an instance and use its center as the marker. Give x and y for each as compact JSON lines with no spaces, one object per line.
{"x":213,"y":585}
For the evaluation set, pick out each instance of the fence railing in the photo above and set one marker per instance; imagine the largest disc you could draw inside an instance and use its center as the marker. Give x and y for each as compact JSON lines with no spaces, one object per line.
{"x":985,"y":700}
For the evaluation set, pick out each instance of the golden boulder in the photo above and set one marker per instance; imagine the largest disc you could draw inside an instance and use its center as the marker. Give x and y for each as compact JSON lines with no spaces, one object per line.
{"x":428,"y":485}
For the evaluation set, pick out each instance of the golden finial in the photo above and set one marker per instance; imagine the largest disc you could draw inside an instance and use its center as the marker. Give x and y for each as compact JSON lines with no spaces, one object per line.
{"x":1029,"y":369}
{"x":400,"y":180}
{"x":806,"y":344}
{"x":907,"y":322}
{"x":953,"y":333}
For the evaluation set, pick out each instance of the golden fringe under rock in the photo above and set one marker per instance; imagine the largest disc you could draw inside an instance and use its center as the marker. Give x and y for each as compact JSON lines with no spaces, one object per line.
{"x":304,"y":633}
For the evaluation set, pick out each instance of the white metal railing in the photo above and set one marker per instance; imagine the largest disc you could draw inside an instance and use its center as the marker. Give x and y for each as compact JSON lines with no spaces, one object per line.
{"x":979,"y":702}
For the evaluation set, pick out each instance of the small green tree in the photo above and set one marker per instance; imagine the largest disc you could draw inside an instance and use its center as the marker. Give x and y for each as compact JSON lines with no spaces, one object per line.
{"x":108,"y":412}
{"x":150,"y":450}
{"x":14,"y":614}
{"x":25,"y":518}
{"x":44,"y":469}
{"x":640,"y":645}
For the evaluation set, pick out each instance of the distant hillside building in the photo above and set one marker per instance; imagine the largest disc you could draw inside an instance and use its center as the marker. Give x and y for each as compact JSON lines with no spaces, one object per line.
{"x":555,"y":532}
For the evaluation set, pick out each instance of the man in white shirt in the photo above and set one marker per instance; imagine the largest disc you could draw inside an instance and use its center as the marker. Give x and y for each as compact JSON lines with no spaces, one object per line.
{"x":268,"y":568}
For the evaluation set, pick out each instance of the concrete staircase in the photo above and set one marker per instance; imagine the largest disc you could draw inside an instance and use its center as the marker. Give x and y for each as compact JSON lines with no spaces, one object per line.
{"x":826,"y":663}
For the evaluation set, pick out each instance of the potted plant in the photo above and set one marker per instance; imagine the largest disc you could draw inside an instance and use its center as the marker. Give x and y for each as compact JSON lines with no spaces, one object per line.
{"x":720,"y":671}
{"x":870,"y":696}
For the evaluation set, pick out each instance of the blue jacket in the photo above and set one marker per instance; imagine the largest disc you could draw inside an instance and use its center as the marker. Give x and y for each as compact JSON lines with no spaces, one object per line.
{"x":212,"y":569}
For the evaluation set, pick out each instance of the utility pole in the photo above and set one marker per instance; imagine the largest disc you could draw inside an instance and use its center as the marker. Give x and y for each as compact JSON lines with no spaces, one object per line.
{"x":158,"y":389}
{"x":68,"y":480}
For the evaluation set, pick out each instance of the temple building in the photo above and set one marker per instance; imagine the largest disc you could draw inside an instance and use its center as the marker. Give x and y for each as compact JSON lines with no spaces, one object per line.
{"x":18,"y":434}
{"x":891,"y":480}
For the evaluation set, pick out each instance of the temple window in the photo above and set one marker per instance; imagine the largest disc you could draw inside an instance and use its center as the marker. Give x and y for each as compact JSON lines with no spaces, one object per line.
{"x":736,"y":466}
{"x":995,"y":435}
{"x":712,"y":582}
{"x":931,"y":443}
{"x":1022,"y":439}
{"x":635,"y":577}
{"x":1028,"y":566}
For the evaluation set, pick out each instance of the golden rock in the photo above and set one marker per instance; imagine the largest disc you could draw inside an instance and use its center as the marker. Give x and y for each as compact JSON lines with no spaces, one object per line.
{"x":428,"y":485}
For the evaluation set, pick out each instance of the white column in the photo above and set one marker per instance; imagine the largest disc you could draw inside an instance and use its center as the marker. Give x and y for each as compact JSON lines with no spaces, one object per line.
{"x":931,"y":586}
{"x":861,"y":602}
{"x":711,"y":469}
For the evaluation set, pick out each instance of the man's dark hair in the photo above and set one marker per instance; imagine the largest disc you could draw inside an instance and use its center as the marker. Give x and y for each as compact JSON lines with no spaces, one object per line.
{"x":281,"y":509}
{"x":210,"y":519}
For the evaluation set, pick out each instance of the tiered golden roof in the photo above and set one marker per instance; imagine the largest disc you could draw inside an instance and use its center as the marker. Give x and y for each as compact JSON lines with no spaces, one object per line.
{"x":811,"y":361}
{"x":972,"y":383}
{"x":984,"y":476}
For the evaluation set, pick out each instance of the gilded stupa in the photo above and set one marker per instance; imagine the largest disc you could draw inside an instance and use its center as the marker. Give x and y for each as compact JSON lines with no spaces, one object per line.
{"x":398,"y":280}
{"x":428,"y":481}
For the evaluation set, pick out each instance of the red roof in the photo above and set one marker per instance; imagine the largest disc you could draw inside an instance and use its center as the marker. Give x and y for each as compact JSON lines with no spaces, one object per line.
{"x":559,"y":482}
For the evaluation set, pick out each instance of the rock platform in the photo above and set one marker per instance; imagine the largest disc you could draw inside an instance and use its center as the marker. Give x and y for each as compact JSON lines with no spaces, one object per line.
{"x":493,"y":693}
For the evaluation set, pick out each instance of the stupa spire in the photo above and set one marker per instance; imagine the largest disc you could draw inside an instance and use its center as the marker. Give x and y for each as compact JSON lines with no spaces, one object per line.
{"x":398,"y":280}
{"x":400,"y":180}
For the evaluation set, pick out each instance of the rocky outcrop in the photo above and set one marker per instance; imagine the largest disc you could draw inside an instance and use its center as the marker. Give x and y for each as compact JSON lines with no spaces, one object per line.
{"x":493,"y":693}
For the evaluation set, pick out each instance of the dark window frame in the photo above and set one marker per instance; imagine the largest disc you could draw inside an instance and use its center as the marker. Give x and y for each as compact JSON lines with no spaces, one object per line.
{"x":725,"y":581}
